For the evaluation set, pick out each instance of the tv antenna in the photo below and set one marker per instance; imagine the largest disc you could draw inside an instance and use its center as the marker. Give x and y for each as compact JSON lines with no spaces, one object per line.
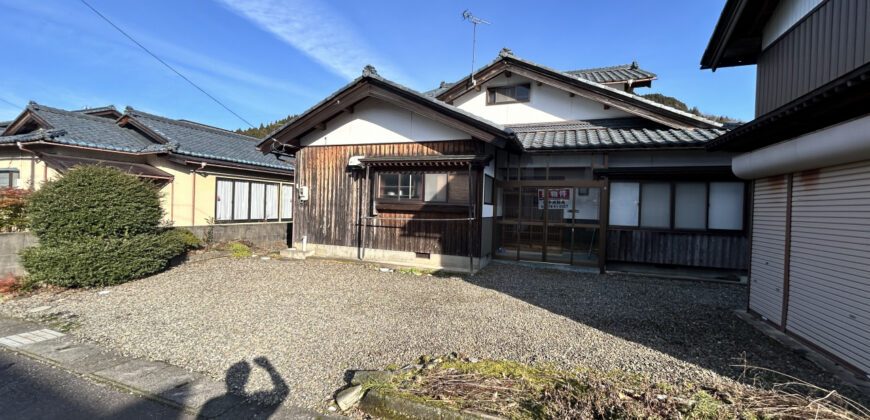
{"x":466,"y":15}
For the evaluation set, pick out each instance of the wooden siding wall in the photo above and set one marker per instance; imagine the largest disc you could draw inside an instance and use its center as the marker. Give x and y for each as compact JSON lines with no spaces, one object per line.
{"x":331,"y":215}
{"x":768,"y":247}
{"x":827,"y":44}
{"x":710,"y":250}
{"x":829,"y":276}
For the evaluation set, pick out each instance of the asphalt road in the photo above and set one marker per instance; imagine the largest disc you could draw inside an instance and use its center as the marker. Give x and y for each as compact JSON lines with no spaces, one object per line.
{"x":33,"y":390}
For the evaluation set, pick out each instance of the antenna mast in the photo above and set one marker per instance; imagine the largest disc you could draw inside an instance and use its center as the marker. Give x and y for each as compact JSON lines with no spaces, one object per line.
{"x":466,"y":15}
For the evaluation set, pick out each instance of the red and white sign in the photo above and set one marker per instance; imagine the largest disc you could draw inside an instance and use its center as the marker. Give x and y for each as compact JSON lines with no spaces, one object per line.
{"x":559,"y":198}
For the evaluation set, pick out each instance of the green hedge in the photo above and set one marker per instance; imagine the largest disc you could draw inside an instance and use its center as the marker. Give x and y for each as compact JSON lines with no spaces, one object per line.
{"x":94,"y":201}
{"x":100,"y":261}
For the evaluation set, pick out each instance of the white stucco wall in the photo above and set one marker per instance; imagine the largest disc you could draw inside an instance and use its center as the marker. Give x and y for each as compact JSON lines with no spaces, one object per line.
{"x":546,"y":104}
{"x":375,"y":122}
{"x":787,"y":13}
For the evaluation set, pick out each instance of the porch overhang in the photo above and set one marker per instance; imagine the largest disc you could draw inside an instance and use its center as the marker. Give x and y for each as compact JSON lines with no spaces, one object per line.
{"x":426,"y":160}
{"x":141,"y":170}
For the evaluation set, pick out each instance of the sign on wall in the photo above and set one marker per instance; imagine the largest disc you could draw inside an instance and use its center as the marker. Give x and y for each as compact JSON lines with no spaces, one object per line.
{"x":559,"y":198}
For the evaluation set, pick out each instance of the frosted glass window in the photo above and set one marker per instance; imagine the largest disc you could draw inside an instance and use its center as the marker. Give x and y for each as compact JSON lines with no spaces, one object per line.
{"x":224,"y":199}
{"x":258,"y":201}
{"x":655,"y":205}
{"x":240,"y":201}
{"x":690,"y":201}
{"x":726,"y":205}
{"x":271,"y":201}
{"x":436,"y":187}
{"x":286,"y":201}
{"x":623,"y":203}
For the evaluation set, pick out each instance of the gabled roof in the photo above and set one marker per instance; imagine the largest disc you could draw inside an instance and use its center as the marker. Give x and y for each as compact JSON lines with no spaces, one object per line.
{"x":199,"y":140}
{"x":108,"y":111}
{"x":137,"y":132}
{"x":370,"y":84}
{"x":615,"y":133}
{"x":628,"y":102}
{"x":615,"y":74}
{"x":80,"y":129}
{"x":736,"y":41}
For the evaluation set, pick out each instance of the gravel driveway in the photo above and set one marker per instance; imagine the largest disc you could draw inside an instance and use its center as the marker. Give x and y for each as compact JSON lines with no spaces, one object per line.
{"x":314,"y":320}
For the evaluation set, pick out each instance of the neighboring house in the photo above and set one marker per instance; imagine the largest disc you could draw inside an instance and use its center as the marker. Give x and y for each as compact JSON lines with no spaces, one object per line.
{"x":807,"y":153}
{"x":521,"y":163}
{"x":206,"y":175}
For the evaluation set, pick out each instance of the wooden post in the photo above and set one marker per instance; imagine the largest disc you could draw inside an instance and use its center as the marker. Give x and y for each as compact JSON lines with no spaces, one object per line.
{"x":471,"y":200}
{"x":364,"y":219}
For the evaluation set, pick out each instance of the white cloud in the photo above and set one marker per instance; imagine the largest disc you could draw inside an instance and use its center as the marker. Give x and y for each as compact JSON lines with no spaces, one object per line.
{"x":317,"y":32}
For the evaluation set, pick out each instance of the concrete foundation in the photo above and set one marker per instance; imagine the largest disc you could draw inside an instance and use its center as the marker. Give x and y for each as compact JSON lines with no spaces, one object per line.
{"x":263,"y":235}
{"x":10,"y":244}
{"x":455,"y":263}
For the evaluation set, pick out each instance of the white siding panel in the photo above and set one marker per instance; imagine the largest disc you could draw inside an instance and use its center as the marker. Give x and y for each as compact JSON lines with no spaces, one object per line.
{"x":829,"y":284}
{"x":768,"y":247}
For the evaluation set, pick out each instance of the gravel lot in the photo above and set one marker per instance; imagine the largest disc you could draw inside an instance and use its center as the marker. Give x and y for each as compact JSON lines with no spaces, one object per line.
{"x":314,"y":320}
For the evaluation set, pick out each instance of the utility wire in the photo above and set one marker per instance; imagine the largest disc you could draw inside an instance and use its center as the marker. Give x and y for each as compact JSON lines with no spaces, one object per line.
{"x":165,"y":63}
{"x":9,"y":103}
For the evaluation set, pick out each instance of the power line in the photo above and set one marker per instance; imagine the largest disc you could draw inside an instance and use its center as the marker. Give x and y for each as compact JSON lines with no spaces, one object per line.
{"x":9,"y":103}
{"x":166,"y":64}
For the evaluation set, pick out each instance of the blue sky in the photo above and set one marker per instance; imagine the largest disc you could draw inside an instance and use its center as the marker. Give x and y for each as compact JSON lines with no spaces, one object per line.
{"x":269,"y":58}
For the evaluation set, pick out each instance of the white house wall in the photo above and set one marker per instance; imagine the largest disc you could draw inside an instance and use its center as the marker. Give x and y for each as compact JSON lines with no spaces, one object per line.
{"x":546,"y":104}
{"x":377,"y":122}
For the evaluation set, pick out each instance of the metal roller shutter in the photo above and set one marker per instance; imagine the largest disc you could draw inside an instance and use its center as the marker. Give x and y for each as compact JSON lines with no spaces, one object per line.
{"x":768,"y":247}
{"x":829,"y":282}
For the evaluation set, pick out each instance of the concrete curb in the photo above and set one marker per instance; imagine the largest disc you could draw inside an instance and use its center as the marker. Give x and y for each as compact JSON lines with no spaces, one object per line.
{"x":156,"y":381}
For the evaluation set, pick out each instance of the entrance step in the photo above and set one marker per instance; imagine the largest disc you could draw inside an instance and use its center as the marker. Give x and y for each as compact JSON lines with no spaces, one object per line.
{"x":296,"y":254}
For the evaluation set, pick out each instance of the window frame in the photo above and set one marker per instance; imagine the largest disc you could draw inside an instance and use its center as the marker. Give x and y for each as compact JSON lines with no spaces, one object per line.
{"x":672,"y":224}
{"x":488,"y":198}
{"x":383,"y":203}
{"x":233,"y":182}
{"x":491,"y":89}
{"x":13,"y":175}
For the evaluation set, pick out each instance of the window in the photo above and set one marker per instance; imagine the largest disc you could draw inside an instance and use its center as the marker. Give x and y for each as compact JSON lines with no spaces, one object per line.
{"x":286,"y":201}
{"x":649,"y":205}
{"x":655,"y":205}
{"x":487,"y":189}
{"x":246,"y":201}
{"x":690,"y":202}
{"x":508,"y":94}
{"x":435,"y":187}
{"x":623,"y":203}
{"x":726,"y":205}
{"x":9,"y":178}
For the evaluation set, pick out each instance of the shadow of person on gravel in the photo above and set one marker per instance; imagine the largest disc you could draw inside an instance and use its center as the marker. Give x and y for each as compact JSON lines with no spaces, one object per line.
{"x":237,"y":403}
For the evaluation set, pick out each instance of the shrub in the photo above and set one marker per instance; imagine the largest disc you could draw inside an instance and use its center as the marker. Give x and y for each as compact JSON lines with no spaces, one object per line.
{"x":12,"y":204}
{"x":190,"y":240}
{"x":240,"y":250}
{"x":93,"y":262}
{"x":95,"y":202}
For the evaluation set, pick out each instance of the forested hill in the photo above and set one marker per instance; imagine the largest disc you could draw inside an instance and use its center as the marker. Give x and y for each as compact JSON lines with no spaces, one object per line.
{"x":676,"y":103}
{"x":263,"y":130}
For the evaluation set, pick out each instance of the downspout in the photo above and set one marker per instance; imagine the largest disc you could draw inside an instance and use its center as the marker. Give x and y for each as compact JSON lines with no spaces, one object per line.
{"x":32,"y":181}
{"x":202,"y":166}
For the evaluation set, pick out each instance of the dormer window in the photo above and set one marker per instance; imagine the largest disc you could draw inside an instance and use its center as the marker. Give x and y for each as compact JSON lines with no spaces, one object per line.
{"x":508,"y":94}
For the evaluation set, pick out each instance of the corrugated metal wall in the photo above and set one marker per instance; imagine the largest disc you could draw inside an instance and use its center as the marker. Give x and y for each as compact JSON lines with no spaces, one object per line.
{"x":700,"y":249}
{"x":813,"y":53}
{"x":829,"y":281}
{"x":768,"y":247}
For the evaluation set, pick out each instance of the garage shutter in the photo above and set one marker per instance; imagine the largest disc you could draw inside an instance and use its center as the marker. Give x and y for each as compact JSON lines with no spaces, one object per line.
{"x":768,"y":247}
{"x":829,"y":282}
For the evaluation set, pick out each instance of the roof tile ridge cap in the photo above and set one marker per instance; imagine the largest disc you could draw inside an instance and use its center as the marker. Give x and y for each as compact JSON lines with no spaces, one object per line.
{"x":39,"y":107}
{"x":131,"y":111}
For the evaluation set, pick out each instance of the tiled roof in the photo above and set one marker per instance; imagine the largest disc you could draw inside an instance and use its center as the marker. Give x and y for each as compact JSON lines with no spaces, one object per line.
{"x":89,"y":131}
{"x":614,"y":74}
{"x":97,"y":109}
{"x":78,"y":128}
{"x":199,"y":140}
{"x":609,"y":134}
